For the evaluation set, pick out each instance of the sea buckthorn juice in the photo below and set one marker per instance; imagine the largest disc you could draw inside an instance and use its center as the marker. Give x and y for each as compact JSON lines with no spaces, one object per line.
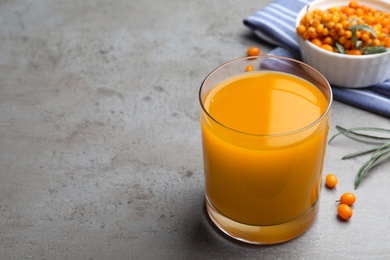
{"x":264,"y":137}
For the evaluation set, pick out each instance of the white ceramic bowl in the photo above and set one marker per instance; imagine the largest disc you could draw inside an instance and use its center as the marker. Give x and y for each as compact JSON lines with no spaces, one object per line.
{"x":346,"y":70}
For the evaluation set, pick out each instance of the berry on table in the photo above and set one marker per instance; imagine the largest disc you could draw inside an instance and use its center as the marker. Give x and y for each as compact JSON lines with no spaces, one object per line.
{"x":347,"y":198}
{"x":253,"y":51}
{"x":331,"y":181}
{"x":344,"y":211}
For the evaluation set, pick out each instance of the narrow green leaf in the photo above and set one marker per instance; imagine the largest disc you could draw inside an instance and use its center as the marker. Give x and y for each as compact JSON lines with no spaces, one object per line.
{"x":363,"y":152}
{"x":354,"y":37}
{"x":364,"y":27}
{"x":375,"y":160}
{"x":333,"y":137}
{"x":358,"y":44}
{"x":375,"y":149}
{"x":383,"y":148}
{"x":361,"y":173}
{"x":340,"y":48}
{"x":352,"y":133}
{"x":374,"y":49}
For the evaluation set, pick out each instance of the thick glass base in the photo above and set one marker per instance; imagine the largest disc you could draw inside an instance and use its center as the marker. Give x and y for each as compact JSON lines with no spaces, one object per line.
{"x":263,"y":235}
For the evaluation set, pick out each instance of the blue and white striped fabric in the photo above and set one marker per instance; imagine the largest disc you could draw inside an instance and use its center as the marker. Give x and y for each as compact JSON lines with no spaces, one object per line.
{"x":275,"y":24}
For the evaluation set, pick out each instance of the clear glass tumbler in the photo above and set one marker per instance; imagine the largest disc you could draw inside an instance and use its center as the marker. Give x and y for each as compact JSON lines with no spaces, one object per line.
{"x":264,"y":124}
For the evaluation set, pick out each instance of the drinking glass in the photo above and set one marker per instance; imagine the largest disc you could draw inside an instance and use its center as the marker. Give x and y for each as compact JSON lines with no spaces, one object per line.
{"x":264,"y":123}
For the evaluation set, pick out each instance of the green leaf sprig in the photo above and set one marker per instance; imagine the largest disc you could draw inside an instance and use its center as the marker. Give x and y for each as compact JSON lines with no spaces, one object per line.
{"x":368,"y":49}
{"x":380,"y":153}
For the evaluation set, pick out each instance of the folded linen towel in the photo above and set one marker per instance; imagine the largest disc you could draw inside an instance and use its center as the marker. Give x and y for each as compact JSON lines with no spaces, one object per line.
{"x":275,"y":24}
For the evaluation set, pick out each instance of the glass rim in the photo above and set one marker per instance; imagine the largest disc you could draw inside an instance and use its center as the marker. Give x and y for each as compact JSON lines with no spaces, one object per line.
{"x":269,"y":56}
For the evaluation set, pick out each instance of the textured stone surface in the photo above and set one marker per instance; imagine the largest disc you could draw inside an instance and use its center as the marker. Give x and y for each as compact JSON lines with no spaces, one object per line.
{"x":100,"y":141}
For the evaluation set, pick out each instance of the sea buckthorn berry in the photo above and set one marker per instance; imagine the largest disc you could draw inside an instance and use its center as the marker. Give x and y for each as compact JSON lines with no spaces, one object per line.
{"x":341,"y":32}
{"x":348,"y":45}
{"x":365,"y":37}
{"x":305,"y":35}
{"x":317,"y":42}
{"x":315,"y":22}
{"x":378,"y":34}
{"x":325,"y":32}
{"x":249,"y":68}
{"x":338,"y":26}
{"x":324,"y":17}
{"x":336,"y":18}
{"x":354,"y":52}
{"x":381,"y":36}
{"x":385,"y":21}
{"x":345,"y":24}
{"x":344,"y":211}
{"x":253,"y":51}
{"x":301,"y":29}
{"x":319,"y":28}
{"x":387,"y":43}
{"x":361,"y":22}
{"x":331,"y":180}
{"x":354,"y":4}
{"x":311,"y":30}
{"x":327,"y":47}
{"x":359,"y":12}
{"x":349,"y":11}
{"x":342,"y":40}
{"x":369,"y":19}
{"x":368,"y":42}
{"x":376,"y":42}
{"x":347,"y":198}
{"x":308,"y":17}
{"x":331,"y":25}
{"x":328,"y":40}
{"x":334,"y":9}
{"x":333,"y":33}
{"x":388,"y":27}
{"x":348,"y":34}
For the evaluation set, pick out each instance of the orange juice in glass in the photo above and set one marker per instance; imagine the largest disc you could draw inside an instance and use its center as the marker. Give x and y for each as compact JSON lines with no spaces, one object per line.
{"x":264,"y":136}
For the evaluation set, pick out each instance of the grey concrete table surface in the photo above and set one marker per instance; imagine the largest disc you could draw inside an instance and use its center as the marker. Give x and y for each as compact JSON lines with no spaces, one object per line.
{"x":100,"y":139}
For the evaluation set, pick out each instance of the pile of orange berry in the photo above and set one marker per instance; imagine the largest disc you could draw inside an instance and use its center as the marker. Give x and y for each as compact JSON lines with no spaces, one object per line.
{"x":344,"y":209}
{"x":350,"y":29}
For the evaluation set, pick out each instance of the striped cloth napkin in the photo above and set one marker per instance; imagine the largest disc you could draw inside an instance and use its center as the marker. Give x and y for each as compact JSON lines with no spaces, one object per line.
{"x":275,"y":24}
